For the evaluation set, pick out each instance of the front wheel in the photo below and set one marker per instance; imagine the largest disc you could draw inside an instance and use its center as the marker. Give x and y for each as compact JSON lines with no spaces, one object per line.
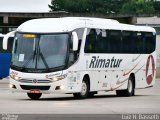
{"x":34,"y":96}
{"x":84,"y":90}
{"x":130,"y":91}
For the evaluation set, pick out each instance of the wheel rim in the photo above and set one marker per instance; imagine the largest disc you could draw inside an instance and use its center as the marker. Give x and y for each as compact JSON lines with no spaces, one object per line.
{"x":130,"y":87}
{"x":84,"y":88}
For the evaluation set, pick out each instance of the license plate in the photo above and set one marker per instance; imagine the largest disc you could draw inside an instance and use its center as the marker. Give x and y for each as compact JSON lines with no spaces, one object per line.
{"x":35,"y":91}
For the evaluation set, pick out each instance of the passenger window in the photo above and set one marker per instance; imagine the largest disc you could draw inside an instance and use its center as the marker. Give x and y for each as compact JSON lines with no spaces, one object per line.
{"x":127,"y":42}
{"x":91,"y":38}
{"x":149,"y":42}
{"x":115,"y":39}
{"x":102,"y":45}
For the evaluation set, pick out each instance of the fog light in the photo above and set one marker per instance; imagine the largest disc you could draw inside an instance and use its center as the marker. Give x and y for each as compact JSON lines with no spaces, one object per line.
{"x":59,"y":87}
{"x":12,"y":86}
{"x":62,"y":87}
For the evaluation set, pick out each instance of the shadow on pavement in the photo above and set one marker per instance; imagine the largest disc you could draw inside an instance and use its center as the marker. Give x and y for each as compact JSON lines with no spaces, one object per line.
{"x":73,"y":99}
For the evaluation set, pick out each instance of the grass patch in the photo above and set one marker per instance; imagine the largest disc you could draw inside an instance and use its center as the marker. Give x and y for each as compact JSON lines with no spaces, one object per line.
{"x":158,"y":73}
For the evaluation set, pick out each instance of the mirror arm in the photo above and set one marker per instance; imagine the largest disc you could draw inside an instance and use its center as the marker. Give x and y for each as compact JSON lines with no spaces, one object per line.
{"x":5,"y":39}
{"x":75,"y":41}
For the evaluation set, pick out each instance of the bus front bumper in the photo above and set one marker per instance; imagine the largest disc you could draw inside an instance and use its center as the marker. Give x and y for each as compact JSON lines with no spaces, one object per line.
{"x":60,"y":86}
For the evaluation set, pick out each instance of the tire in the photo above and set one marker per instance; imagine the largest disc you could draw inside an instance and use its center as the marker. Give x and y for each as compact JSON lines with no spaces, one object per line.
{"x":130,"y":91}
{"x":91,"y":94}
{"x":34,"y":96}
{"x":84,"y":90}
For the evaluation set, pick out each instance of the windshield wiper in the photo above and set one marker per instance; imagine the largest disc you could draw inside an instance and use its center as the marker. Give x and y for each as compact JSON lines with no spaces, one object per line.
{"x":44,"y":61}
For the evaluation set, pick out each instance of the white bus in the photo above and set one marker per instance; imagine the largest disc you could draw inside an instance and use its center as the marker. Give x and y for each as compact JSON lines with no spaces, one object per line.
{"x":81,"y":56}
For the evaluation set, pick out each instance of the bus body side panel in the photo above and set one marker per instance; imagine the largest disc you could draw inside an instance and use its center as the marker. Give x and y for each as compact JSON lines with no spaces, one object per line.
{"x":116,"y":78}
{"x":4,"y":64}
{"x":145,"y":77}
{"x":105,"y":71}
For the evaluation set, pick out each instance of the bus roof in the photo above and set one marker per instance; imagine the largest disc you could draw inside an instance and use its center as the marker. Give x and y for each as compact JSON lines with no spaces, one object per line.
{"x":66,"y":24}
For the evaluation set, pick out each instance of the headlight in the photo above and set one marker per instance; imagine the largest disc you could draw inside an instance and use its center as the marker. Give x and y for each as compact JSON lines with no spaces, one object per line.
{"x":56,"y":78}
{"x":15,"y":77}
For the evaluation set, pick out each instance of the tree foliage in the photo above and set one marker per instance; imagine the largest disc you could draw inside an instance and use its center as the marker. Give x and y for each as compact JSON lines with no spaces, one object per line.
{"x":69,"y":5}
{"x":79,"y":6}
{"x":138,"y":6}
{"x":156,"y":5}
{"x":105,"y":6}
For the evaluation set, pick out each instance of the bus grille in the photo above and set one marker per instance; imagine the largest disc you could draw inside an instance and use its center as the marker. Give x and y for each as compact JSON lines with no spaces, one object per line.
{"x":31,"y":81}
{"x":29,"y":87}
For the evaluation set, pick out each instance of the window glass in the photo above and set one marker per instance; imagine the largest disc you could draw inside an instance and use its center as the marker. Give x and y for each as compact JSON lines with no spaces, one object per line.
{"x":115,"y":41}
{"x":73,"y":55}
{"x":127,"y":46}
{"x":139,"y":43}
{"x":1,"y":43}
{"x":10,"y":44}
{"x":56,"y":54}
{"x":102,"y":42}
{"x":91,"y":38}
{"x":40,"y":51}
{"x":149,"y":42}
{"x":80,"y":36}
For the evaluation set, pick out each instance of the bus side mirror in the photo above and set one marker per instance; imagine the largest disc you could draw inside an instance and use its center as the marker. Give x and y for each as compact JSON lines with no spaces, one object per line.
{"x":5,"y":39}
{"x":75,"y":41}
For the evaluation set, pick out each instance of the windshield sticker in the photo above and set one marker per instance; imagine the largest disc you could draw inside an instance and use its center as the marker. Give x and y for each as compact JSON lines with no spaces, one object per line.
{"x":21,"y":57}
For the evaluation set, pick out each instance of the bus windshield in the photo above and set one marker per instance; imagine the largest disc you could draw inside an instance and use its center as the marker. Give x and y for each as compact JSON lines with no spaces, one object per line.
{"x":39,"y":52}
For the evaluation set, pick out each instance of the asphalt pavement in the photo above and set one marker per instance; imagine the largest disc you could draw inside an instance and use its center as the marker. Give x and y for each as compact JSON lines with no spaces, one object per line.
{"x":145,"y":101}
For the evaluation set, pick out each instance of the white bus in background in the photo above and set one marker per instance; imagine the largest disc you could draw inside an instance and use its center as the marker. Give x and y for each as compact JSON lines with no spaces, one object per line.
{"x":81,"y":56}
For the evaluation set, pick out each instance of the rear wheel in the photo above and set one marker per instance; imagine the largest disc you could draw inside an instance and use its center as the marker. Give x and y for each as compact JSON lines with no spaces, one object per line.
{"x":84,"y":90}
{"x":129,"y":91}
{"x":91,"y":94}
{"x":34,"y":96}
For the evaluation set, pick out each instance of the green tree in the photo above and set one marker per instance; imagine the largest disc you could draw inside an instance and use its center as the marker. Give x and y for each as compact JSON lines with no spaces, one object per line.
{"x":70,"y":5}
{"x":79,"y":6}
{"x":138,"y":6}
{"x":156,"y":5}
{"x":56,"y":5}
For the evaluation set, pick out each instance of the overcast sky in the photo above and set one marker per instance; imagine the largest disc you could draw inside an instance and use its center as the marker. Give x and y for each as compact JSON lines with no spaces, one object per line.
{"x":24,"y":5}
